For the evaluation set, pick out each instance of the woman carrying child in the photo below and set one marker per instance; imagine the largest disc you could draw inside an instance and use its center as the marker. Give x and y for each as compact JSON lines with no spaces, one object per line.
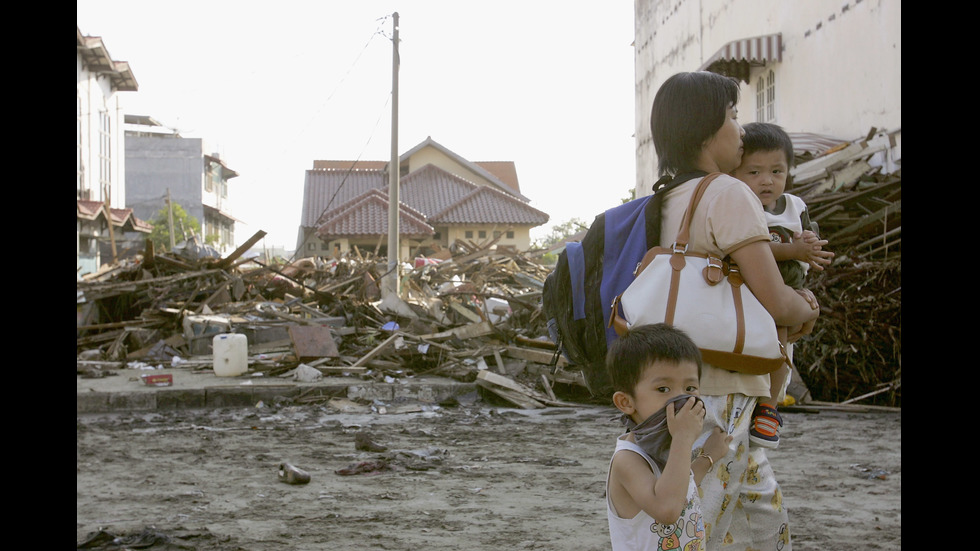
{"x":696,"y":132}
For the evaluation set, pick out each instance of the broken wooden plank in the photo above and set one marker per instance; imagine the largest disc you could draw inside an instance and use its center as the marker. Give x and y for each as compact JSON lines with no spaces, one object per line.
{"x":558,"y":375}
{"x":500,"y":362}
{"x":472,"y":330}
{"x":873,"y":218}
{"x":535,"y":343}
{"x":491,"y":378}
{"x":817,"y":406}
{"x":377,"y":350}
{"x":226,"y":261}
{"x":537,"y":356}
{"x":547,"y":387}
{"x":466,"y":312}
{"x":338,"y":369}
{"x":886,"y":387}
{"x":512,"y":396}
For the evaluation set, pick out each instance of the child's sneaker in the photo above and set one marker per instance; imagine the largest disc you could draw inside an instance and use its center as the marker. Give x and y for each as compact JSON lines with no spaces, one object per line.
{"x":765,"y":427}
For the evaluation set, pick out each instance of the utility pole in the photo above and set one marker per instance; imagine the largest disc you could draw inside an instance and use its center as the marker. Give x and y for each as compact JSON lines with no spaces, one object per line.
{"x":107,"y":191}
{"x":170,"y":219}
{"x":390,"y":293}
{"x":392,"y":279}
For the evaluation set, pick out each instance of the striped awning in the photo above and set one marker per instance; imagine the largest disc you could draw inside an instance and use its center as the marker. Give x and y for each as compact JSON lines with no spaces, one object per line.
{"x":735,"y":58}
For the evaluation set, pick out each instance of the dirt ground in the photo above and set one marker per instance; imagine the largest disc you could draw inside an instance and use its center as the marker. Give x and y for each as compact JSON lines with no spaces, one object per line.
{"x":471,"y":476}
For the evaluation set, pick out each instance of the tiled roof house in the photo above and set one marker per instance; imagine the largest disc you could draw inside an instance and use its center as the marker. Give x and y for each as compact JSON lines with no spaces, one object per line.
{"x":442,"y":198}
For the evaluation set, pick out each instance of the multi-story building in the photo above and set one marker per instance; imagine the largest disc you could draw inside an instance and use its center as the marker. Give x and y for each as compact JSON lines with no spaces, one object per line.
{"x":100,"y":190}
{"x":820,"y":68}
{"x":443,"y":198}
{"x":162,"y":165}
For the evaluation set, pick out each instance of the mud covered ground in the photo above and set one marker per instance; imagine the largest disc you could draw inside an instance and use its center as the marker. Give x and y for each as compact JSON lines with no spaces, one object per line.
{"x":467,"y":477}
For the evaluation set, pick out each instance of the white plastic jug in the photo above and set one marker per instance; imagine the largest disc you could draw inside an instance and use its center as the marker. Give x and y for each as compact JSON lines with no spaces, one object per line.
{"x":230,"y":354}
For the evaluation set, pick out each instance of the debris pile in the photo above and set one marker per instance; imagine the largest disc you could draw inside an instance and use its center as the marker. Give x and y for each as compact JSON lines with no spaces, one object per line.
{"x":475,"y":313}
{"x":855,"y":351}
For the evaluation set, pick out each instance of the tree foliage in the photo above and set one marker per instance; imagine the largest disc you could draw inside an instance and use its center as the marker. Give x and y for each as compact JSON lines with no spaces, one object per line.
{"x":561,"y":231}
{"x":184,"y":226}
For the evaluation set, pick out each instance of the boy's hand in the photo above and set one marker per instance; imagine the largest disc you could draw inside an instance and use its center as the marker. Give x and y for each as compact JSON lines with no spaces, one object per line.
{"x":717,"y":444}
{"x":810,"y":250}
{"x":686,"y":422}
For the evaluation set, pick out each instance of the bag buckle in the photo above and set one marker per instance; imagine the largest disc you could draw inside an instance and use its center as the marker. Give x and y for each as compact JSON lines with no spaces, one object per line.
{"x":676,"y":248}
{"x":714,"y":270}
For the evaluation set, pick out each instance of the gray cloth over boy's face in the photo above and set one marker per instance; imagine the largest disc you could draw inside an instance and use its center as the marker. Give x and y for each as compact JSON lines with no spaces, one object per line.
{"x":652,"y":435}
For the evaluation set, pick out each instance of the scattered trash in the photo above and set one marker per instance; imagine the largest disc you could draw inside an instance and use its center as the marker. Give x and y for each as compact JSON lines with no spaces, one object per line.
{"x":364,"y":467}
{"x":872,"y":472}
{"x":158,"y":379}
{"x":303,"y":373}
{"x":291,"y":474}
{"x":363,"y":441}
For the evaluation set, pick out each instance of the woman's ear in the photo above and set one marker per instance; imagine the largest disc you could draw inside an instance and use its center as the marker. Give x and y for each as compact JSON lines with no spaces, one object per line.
{"x":623,"y":402}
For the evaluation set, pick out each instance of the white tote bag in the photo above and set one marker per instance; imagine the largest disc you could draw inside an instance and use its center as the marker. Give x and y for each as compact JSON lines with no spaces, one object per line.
{"x":705,"y":297}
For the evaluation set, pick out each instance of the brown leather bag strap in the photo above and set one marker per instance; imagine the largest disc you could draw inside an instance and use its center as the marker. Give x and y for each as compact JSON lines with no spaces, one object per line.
{"x":615,"y":320}
{"x":684,"y":233}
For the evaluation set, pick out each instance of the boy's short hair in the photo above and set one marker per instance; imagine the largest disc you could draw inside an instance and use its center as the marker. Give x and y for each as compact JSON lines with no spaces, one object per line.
{"x":642,"y":345}
{"x":765,"y":136}
{"x":687,"y":110}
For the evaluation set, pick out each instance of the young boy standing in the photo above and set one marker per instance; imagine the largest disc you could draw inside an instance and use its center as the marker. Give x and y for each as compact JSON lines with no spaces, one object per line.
{"x":652,"y":486}
{"x":767,"y":158}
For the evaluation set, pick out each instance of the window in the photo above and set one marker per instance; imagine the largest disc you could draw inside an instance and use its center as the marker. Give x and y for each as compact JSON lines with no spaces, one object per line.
{"x":105,"y":153}
{"x":765,"y":98}
{"x":482,"y":234}
{"x":79,"y":173}
{"x":469,"y":234}
{"x":227,"y":233}
{"x":510,"y":234}
{"x":86,"y":245}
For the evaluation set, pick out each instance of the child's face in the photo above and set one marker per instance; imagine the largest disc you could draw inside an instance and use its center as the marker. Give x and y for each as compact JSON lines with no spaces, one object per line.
{"x":662,"y":381}
{"x":765,"y":172}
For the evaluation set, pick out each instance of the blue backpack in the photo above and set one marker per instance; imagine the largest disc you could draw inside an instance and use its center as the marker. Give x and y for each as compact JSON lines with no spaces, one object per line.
{"x":578,"y":293}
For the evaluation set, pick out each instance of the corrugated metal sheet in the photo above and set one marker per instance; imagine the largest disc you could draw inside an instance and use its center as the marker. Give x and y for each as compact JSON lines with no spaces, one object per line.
{"x":813,"y":144}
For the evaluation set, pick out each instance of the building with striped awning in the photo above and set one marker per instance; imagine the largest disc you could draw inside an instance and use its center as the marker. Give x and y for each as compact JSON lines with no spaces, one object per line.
{"x":820,"y":68}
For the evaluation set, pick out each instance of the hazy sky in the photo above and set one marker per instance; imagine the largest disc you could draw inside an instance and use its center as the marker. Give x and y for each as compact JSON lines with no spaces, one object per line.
{"x":272,"y":86}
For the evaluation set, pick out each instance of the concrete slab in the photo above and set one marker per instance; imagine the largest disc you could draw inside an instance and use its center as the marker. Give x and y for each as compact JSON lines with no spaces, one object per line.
{"x":124,"y":390}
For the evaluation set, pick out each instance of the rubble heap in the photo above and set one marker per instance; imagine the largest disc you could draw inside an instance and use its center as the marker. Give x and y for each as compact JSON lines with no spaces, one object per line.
{"x":855,"y":351}
{"x":475,"y":315}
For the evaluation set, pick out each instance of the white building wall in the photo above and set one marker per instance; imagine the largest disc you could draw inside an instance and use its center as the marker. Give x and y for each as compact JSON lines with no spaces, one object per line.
{"x":95,"y":94}
{"x":840,"y":73}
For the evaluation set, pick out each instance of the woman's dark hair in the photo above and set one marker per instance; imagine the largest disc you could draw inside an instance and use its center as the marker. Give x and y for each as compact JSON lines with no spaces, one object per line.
{"x":687,"y":110}
{"x":642,"y":345}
